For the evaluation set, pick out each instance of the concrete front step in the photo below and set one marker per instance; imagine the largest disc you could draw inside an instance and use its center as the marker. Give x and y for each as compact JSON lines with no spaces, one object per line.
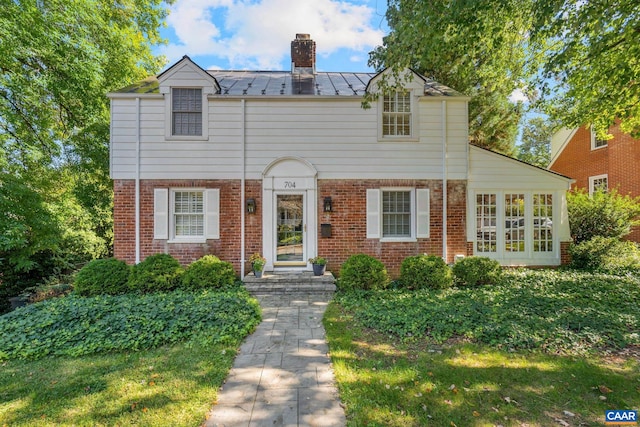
{"x":286,"y":282}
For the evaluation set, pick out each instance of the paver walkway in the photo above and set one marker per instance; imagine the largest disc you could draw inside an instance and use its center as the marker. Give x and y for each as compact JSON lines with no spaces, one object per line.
{"x":282,"y":375}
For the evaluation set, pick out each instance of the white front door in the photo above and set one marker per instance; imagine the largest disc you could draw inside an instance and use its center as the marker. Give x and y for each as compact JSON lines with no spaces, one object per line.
{"x":290,"y":232}
{"x":289,"y":217}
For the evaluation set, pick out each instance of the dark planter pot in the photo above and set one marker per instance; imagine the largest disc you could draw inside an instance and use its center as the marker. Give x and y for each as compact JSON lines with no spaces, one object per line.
{"x":318,"y":270}
{"x":19,"y":301}
{"x":257,"y":273}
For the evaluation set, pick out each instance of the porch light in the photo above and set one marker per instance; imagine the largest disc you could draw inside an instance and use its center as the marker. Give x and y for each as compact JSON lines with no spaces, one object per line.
{"x":328,"y":207}
{"x":251,"y":206}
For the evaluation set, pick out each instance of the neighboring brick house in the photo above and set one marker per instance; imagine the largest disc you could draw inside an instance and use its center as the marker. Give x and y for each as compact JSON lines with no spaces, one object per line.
{"x":290,"y":165}
{"x":594,"y":163}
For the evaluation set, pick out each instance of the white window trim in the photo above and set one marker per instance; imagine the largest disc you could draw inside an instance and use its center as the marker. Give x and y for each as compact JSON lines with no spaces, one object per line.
{"x":168,"y":118}
{"x":414,"y":121}
{"x":593,"y":140}
{"x":375,"y":217}
{"x":592,"y":180}
{"x":164,"y":210}
{"x":528,"y":253}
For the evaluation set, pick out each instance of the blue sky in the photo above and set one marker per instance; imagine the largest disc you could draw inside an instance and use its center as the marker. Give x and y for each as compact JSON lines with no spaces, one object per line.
{"x":257,"y":34}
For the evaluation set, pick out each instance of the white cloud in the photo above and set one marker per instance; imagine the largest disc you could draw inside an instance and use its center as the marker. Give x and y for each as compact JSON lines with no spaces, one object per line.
{"x":257,"y":34}
{"x":518,"y":96}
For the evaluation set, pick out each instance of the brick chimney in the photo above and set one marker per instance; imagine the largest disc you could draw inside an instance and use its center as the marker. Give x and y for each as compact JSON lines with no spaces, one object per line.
{"x":303,"y":55}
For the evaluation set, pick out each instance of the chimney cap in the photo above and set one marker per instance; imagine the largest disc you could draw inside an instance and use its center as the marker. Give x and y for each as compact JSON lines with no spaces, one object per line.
{"x":302,"y":36}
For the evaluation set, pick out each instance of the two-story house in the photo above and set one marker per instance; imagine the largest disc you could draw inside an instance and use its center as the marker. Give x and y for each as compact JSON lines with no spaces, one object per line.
{"x":289,"y":164}
{"x":598,"y":163}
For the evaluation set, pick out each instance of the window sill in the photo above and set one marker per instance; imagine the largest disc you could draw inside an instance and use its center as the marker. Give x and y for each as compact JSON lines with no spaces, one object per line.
{"x":398,"y":139}
{"x":186,"y":138}
{"x":192,"y":241}
{"x":398,"y":239}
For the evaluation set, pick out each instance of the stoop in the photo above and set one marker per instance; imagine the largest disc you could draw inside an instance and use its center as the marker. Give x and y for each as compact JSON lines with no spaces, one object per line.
{"x":289,"y":282}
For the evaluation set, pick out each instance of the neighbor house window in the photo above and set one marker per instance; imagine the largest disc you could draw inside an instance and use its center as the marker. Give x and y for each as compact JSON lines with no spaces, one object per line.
{"x":597,"y":142}
{"x":186,"y":111}
{"x":188,"y":214}
{"x":396,"y":114}
{"x":598,"y":183}
{"x":396,"y":214}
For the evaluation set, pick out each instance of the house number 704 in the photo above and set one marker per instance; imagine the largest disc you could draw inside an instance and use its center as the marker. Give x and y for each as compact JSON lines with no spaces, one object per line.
{"x":289,"y":184}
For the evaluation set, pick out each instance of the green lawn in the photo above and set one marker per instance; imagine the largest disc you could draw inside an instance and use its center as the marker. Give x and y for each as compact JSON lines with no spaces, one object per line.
{"x":167,"y":386}
{"x":397,"y":365}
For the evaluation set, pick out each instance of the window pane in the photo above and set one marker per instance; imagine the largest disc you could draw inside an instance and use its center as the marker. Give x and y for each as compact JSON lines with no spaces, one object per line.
{"x":396,"y":214}
{"x":514,"y":223}
{"x":189,"y":213}
{"x":186,"y":111}
{"x":396,"y":114}
{"x":542,"y":224}
{"x":486,"y":223}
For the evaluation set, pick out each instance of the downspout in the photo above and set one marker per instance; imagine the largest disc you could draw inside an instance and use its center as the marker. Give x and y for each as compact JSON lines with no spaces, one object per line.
{"x":137,"y":191}
{"x":444,"y":181}
{"x":242,"y":184}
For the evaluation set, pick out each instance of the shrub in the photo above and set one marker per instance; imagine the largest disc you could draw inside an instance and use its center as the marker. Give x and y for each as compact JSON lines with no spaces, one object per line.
{"x":209,"y":272}
{"x":102,"y":276}
{"x":473,"y":271}
{"x":362,"y":271}
{"x":606,"y":254}
{"x":425,"y":271}
{"x":605,"y":214}
{"x":159,"y":272}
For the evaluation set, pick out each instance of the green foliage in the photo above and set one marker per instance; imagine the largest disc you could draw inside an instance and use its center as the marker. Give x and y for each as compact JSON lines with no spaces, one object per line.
{"x":477,"y":48}
{"x":605,"y":214}
{"x":588,"y":77}
{"x":362,"y":271}
{"x":473,"y":271}
{"x":159,"y":272}
{"x":553,"y":311}
{"x":318,"y":260}
{"x":425,"y":271}
{"x":605,"y":254}
{"x":75,"y":325}
{"x":102,"y":277}
{"x":209,"y":272}
{"x":536,"y":142}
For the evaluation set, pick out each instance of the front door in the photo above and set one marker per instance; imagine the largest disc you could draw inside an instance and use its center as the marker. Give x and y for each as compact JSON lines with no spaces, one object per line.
{"x":290,"y":230}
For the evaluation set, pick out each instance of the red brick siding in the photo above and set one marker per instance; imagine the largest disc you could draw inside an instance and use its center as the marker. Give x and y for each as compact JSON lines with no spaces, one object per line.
{"x":565,"y":258}
{"x":619,"y":160}
{"x":348,"y":221}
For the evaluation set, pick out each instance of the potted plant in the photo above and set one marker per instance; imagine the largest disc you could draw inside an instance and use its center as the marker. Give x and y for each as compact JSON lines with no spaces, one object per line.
{"x":319,"y":265}
{"x":257,"y":263}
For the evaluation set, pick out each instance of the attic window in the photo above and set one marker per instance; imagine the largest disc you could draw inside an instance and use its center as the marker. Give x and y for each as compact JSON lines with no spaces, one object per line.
{"x":186,"y":111}
{"x":396,"y":114}
{"x":597,"y":142}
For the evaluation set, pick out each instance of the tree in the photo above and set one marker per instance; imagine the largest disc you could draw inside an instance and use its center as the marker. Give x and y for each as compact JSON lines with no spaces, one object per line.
{"x":536,"y":142}
{"x":591,"y":74}
{"x":58,"y":59}
{"x":477,"y":48}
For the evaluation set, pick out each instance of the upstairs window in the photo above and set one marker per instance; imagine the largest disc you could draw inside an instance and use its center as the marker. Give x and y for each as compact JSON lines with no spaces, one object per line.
{"x":186,"y":111}
{"x":396,"y":114}
{"x":597,"y":142}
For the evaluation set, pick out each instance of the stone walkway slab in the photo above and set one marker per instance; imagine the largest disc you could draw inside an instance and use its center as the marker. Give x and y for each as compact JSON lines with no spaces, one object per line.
{"x":282,"y":375}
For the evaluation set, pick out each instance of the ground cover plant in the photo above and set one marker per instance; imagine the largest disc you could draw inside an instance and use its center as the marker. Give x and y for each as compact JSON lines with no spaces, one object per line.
{"x":137,"y":359}
{"x":537,"y":348}
{"x":552,"y":311}
{"x":76,"y":326}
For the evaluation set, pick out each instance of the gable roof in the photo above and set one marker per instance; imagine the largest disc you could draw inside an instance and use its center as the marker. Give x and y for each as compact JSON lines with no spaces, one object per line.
{"x":276,"y":83}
